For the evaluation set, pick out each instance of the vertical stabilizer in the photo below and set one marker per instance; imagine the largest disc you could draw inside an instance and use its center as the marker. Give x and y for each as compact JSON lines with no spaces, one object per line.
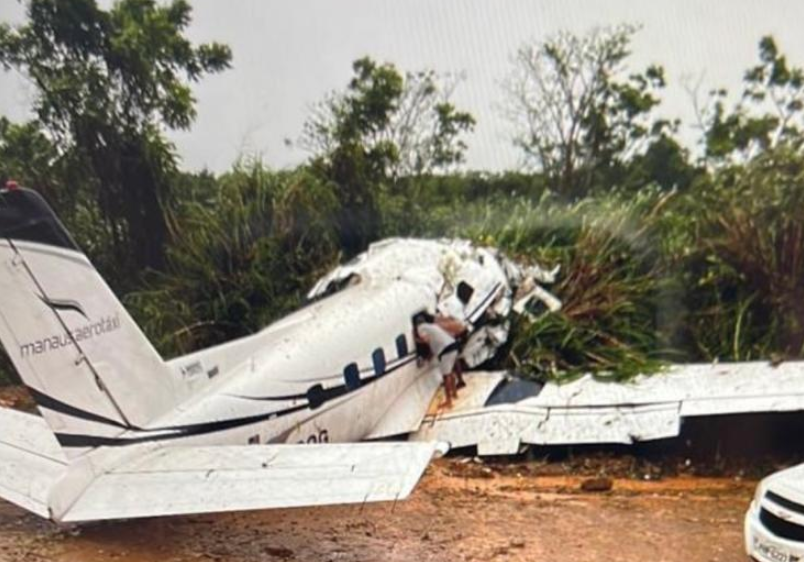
{"x":91,"y":370}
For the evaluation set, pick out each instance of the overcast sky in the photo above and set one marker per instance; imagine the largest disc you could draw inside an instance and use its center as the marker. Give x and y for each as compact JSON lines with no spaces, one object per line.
{"x":289,"y":54}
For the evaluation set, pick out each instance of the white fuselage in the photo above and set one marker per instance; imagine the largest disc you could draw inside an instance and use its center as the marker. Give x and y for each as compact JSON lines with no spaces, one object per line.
{"x":328,"y":372}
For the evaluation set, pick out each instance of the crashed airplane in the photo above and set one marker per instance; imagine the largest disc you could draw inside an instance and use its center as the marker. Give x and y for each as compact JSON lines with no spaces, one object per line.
{"x":500,"y":413}
{"x":276,"y":419}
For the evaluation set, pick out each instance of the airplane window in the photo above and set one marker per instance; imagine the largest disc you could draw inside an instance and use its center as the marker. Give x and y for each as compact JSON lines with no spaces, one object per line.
{"x":315,"y":396}
{"x":465,"y":292}
{"x":401,"y":346}
{"x":337,"y":285}
{"x":351,"y":375}
{"x":378,"y":358}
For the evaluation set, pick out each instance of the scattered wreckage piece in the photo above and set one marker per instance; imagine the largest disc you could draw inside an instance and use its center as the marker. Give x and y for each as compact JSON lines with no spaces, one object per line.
{"x":500,"y":414}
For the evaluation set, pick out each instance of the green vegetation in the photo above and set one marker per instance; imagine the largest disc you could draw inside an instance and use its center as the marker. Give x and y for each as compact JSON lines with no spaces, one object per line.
{"x":664,"y":257}
{"x":107,"y":84}
{"x":241,"y":257}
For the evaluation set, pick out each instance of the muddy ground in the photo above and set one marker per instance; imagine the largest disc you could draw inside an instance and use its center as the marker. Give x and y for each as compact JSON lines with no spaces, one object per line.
{"x":463,"y":510}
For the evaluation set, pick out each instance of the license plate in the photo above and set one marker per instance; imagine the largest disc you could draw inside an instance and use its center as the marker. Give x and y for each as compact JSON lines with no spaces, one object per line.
{"x":771,"y":552}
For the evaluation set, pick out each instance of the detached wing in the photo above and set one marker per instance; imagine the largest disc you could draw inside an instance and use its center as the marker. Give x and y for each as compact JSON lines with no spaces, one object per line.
{"x":588,"y":411}
{"x":31,"y":461}
{"x":185,"y":480}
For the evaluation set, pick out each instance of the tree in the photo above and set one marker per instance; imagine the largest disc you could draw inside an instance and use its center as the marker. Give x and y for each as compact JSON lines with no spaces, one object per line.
{"x":664,"y":163}
{"x":385,"y":127}
{"x":26,"y":153}
{"x":768,"y":114}
{"x":108,"y":83}
{"x":576,"y":116}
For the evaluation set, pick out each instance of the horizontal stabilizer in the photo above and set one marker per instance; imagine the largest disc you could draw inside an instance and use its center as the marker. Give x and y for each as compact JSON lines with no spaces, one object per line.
{"x":190,"y":480}
{"x":31,"y":461}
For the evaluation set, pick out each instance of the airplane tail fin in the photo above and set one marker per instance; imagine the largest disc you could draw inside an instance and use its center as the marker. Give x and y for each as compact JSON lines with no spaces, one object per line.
{"x":91,"y":370}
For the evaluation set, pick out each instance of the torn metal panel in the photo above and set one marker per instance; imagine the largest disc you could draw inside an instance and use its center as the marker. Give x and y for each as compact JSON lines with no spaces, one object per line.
{"x":700,"y":389}
{"x":478,"y":286}
{"x":588,"y":411}
{"x":407,"y":412}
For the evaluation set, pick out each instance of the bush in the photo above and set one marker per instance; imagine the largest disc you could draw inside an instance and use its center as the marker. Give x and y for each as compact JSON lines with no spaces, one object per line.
{"x":613,"y":285}
{"x":239,"y":259}
{"x":745,"y":260}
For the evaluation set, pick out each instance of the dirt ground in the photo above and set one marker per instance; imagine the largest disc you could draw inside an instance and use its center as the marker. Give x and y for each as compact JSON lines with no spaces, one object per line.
{"x":462,"y":510}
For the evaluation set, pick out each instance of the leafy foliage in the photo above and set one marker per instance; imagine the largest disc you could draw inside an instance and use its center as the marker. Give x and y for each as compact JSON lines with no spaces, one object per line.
{"x":746,"y":260}
{"x":107,"y":83}
{"x":7,"y":373}
{"x":613,"y":285}
{"x":768,"y":114}
{"x":383,"y":129}
{"x":241,"y":258}
{"x":576,"y":117}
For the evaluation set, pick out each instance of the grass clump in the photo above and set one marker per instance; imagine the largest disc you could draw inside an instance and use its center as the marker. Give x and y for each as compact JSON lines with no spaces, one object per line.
{"x":242,"y":257}
{"x":745,"y":261}
{"x":612,"y":285}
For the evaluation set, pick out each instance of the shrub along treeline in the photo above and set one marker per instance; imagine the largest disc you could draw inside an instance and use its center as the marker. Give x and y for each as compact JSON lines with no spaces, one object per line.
{"x":664,"y":257}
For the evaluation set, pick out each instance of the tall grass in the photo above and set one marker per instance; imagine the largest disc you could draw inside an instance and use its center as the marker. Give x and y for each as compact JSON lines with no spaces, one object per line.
{"x":746,"y":261}
{"x":613,"y":284}
{"x":239,"y":259}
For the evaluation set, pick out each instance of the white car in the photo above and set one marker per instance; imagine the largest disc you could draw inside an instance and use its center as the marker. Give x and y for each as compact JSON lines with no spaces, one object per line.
{"x":774,"y":524}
